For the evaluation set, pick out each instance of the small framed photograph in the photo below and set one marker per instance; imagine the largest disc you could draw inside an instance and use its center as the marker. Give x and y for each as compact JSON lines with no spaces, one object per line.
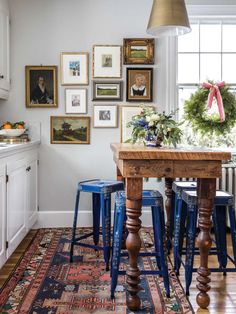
{"x":74,"y":68}
{"x":107,"y":61}
{"x":139,"y":84}
{"x":76,"y":100}
{"x":107,"y":90}
{"x":105,"y":116}
{"x":41,"y":86}
{"x":70,"y":130}
{"x":138,"y":50}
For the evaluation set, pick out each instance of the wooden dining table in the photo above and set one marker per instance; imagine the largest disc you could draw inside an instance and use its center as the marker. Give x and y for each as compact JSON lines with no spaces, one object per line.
{"x":135,"y":162}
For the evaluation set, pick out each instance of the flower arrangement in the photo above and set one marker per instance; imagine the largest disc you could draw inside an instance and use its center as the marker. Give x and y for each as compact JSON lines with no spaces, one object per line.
{"x":153,"y":128}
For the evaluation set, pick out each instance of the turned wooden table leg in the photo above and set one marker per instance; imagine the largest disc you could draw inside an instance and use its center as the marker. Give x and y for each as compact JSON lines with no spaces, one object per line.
{"x":206,"y":195}
{"x":133,"y":243}
{"x":168,"y":192}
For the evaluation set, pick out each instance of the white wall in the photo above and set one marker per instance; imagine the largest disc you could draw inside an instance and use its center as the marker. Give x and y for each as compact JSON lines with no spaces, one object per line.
{"x":40,"y":30}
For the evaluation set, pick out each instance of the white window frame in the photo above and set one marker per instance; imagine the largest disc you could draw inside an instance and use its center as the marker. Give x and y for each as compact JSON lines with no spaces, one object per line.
{"x":168,"y":82}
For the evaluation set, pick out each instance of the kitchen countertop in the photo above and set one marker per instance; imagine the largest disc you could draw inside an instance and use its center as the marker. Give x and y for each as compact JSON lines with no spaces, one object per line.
{"x":10,"y":149}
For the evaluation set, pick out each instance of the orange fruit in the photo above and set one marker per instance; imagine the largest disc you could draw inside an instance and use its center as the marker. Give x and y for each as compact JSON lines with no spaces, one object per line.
{"x":7,"y":126}
{"x":20,"y":126}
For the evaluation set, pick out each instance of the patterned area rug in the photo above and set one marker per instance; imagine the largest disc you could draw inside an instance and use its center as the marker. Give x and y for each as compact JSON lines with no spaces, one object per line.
{"x":44,"y":282}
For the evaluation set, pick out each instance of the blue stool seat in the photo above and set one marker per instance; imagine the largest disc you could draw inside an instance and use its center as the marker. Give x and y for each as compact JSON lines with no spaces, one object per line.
{"x":222,"y":202}
{"x":155,"y":201}
{"x":101,"y":196}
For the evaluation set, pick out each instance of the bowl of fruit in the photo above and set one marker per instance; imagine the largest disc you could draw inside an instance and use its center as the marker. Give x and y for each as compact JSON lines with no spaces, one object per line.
{"x":9,"y":129}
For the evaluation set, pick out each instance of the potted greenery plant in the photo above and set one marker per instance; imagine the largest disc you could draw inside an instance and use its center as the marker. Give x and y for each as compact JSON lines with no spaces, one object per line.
{"x":153,"y":128}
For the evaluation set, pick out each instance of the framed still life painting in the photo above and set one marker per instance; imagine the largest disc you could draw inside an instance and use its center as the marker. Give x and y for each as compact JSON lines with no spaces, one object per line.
{"x":41,"y":86}
{"x":74,"y":68}
{"x":126,"y":114}
{"x":70,"y":130}
{"x":76,"y":100}
{"x":138,"y":50}
{"x":105,"y":116}
{"x":107,"y":90}
{"x":139,"y":84}
{"x":107,"y":61}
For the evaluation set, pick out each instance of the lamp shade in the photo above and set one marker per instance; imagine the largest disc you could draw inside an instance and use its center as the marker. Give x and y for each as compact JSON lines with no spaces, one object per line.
{"x":168,"y":18}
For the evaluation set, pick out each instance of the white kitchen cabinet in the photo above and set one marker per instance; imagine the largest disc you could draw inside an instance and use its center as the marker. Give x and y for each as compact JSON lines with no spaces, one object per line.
{"x":2,"y":215}
{"x":4,"y":50}
{"x":18,"y":197}
{"x":16,"y":203}
{"x":31,"y":190}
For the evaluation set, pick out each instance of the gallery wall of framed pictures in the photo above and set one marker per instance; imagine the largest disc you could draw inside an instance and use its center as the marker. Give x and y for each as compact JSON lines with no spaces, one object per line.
{"x":103,"y":100}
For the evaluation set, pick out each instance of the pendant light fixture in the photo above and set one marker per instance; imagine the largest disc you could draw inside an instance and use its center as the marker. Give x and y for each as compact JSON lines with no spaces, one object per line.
{"x":168,"y":18}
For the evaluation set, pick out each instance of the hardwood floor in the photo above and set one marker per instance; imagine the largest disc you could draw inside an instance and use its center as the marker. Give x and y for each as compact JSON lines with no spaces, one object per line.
{"x":6,"y":270}
{"x":223,"y":288}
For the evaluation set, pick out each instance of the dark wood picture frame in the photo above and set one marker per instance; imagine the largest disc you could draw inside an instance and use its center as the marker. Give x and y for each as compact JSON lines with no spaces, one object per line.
{"x":108,"y":84}
{"x":139,"y":50}
{"x":139,"y":84}
{"x":41,"y":87}
{"x":71,"y":133}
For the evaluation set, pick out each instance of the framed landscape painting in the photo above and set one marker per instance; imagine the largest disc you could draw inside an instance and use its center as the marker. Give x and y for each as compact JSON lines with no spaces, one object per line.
{"x":139,"y":84}
{"x":107,"y":61}
{"x":74,"y":68}
{"x":138,"y":50}
{"x":107,"y":90}
{"x":70,"y":130}
{"x":76,"y":100}
{"x":105,"y":116}
{"x":41,"y":86}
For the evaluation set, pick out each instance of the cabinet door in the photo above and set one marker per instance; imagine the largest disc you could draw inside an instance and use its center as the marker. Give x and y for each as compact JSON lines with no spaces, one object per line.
{"x":31,"y":193}
{"x":2,"y":214}
{"x":4,"y":54}
{"x":16,"y":204}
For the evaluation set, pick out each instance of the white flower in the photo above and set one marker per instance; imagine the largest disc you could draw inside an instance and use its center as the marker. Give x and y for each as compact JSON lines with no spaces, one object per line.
{"x":154,"y":117}
{"x":148,"y":119}
{"x":151,"y":123}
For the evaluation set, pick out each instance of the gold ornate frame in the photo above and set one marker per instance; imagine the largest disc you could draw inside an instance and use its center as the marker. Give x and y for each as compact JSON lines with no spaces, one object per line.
{"x":148,"y":43}
{"x":53,"y":141}
{"x":29,"y":68}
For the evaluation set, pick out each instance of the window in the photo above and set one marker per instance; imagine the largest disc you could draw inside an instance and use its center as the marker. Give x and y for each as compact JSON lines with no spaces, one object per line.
{"x":208,"y":52}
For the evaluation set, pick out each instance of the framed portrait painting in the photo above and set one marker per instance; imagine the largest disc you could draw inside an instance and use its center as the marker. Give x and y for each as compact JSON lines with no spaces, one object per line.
{"x":138,"y":50}
{"x":70,"y":130}
{"x":41,"y":86}
{"x":105,"y":116}
{"x":76,"y":100}
{"x":74,"y":68}
{"x":107,"y":61}
{"x":107,"y":90}
{"x":139,"y":84}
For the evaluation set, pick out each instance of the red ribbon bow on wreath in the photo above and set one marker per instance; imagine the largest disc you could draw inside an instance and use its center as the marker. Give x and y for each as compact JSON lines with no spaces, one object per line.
{"x":215,"y":92}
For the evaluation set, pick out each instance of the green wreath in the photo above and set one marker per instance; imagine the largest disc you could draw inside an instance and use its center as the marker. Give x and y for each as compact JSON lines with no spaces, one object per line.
{"x":195,"y":112}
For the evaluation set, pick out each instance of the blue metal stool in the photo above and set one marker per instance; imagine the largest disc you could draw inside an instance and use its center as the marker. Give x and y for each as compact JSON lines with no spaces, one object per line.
{"x":101,"y":196}
{"x":179,"y":213}
{"x":155,"y":200}
{"x":223,"y":201}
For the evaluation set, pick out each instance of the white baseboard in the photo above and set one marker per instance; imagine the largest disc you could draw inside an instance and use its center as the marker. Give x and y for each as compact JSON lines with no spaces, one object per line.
{"x":56,"y":219}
